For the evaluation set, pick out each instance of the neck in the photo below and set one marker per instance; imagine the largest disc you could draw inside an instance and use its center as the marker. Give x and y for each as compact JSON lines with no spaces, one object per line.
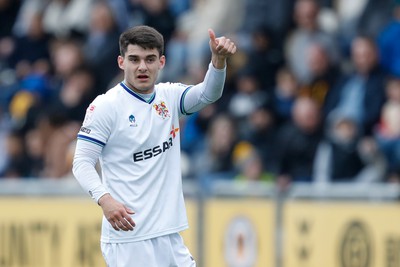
{"x":145,"y":92}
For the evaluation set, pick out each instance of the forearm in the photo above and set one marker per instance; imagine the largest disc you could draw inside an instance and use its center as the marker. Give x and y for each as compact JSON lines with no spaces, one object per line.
{"x":85,"y":159}
{"x":207,"y":92}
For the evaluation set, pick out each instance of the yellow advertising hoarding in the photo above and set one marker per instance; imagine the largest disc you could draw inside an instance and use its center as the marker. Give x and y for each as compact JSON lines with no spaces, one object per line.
{"x":239,"y":233}
{"x":190,"y":235}
{"x":59,"y":232}
{"x":341,"y":234}
{"x":49,"y":232}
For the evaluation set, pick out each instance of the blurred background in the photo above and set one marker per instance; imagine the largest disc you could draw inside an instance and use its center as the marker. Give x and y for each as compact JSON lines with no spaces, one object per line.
{"x":298,"y":164}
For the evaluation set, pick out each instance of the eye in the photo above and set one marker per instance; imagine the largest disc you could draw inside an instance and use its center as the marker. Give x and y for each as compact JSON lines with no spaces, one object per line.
{"x":151,"y":60}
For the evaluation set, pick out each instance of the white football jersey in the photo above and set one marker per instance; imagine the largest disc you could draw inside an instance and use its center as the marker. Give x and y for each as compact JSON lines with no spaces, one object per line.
{"x":140,"y":159}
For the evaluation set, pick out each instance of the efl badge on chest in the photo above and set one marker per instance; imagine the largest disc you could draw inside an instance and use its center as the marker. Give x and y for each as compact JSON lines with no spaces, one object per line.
{"x":162,"y":110}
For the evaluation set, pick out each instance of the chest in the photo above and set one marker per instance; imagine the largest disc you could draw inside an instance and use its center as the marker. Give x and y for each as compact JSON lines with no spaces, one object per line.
{"x":141,"y":124}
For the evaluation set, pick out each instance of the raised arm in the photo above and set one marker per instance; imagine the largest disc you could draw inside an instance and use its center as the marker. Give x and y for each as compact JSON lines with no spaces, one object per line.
{"x":210,"y":90}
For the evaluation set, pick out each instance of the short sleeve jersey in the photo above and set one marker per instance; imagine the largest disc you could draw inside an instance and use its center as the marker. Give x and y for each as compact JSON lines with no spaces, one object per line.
{"x":140,"y":157}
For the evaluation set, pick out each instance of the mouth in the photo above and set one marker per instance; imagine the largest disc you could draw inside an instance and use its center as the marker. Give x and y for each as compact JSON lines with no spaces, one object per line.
{"x":143,"y":77}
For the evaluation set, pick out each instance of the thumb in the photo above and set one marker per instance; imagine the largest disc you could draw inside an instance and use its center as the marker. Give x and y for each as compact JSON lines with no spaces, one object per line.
{"x":128,"y":210}
{"x":212,"y":36}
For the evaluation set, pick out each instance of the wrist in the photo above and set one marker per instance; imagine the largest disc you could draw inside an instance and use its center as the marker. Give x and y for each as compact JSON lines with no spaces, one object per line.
{"x":219,"y":62}
{"x":103,"y":198}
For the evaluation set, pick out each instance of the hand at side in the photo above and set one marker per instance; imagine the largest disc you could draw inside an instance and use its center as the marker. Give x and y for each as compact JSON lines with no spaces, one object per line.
{"x":117,"y":214}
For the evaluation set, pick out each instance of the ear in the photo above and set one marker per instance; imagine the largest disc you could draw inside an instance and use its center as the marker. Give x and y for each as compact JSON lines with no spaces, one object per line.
{"x":162,"y":62}
{"x":120,"y":60}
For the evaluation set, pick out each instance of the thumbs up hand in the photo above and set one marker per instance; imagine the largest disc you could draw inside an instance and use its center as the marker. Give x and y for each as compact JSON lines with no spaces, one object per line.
{"x":221,"y":48}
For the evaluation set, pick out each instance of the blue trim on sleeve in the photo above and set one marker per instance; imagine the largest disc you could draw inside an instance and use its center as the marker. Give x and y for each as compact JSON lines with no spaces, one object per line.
{"x":90,"y":139}
{"x":181,"y":107}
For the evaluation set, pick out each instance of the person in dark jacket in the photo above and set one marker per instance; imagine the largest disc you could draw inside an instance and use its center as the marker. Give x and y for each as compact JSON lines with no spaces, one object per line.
{"x":297,"y":143}
{"x":344,"y":156}
{"x":360,"y":94}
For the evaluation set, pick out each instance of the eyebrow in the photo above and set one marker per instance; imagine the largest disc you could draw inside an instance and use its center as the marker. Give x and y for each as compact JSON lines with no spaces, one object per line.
{"x":148,"y":56}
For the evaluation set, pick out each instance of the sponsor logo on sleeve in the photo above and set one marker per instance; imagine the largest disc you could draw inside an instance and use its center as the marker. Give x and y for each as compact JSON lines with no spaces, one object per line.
{"x":85,"y":130}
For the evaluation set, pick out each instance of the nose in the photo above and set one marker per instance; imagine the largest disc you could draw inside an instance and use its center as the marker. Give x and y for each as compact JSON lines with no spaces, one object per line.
{"x":142,"y":65}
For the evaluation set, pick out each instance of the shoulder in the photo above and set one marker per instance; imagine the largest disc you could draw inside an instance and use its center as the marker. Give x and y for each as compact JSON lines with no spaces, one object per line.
{"x":108,"y":98}
{"x":171,"y":86}
{"x":173,"y":90}
{"x":103,"y":106}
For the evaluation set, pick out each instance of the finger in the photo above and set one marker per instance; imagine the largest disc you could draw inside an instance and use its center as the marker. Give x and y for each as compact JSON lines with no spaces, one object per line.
{"x":221,"y":43}
{"x":211,"y":33}
{"x":128,"y":210}
{"x":130,"y":221}
{"x":114,"y":225}
{"x":121,"y":226}
{"x":128,"y":224}
{"x":232,"y":48}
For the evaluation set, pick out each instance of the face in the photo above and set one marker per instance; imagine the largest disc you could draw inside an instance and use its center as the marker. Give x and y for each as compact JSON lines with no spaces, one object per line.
{"x":141,"y":67}
{"x":306,"y":14}
{"x":345,"y":131}
{"x":364,"y":55}
{"x":318,"y":61}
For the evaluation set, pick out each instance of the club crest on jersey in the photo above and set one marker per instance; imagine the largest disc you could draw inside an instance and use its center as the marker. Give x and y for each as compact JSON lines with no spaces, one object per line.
{"x":132,"y":121}
{"x":162,"y":110}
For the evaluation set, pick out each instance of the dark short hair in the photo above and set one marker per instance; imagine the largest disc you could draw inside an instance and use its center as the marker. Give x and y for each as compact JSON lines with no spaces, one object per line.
{"x":143,"y":36}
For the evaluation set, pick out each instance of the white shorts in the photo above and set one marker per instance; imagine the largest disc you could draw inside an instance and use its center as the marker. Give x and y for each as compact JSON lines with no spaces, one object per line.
{"x":163,"y":251}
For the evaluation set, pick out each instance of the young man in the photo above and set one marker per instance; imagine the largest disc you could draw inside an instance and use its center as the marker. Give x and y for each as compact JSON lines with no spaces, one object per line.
{"x":134,"y":129}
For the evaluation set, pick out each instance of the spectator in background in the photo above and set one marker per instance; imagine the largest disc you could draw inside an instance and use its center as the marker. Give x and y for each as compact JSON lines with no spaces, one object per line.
{"x":17,"y":165}
{"x":323,"y":74}
{"x":75,"y":95}
{"x":374,"y":17}
{"x":32,"y":46}
{"x":27,"y":10}
{"x":278,"y":21}
{"x":249,"y":165}
{"x":34,"y":146}
{"x":297,"y":143}
{"x":67,"y":18}
{"x":189,"y":43}
{"x":388,"y":43}
{"x":100,"y":49}
{"x":194,"y":129}
{"x":387,"y":132}
{"x":8,"y":15}
{"x":345,"y":156}
{"x":26,"y":61}
{"x":247,"y":99}
{"x":158,"y":15}
{"x":215,"y":159}
{"x":66,"y":56}
{"x":61,"y":134}
{"x":261,"y":134}
{"x":32,"y":95}
{"x":307,"y":32}
{"x":360,"y":94}
{"x":285,"y":93}
{"x":264,"y":58}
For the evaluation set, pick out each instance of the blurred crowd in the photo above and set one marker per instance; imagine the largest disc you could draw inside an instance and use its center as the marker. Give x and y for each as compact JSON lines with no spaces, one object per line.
{"x":312,"y":95}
